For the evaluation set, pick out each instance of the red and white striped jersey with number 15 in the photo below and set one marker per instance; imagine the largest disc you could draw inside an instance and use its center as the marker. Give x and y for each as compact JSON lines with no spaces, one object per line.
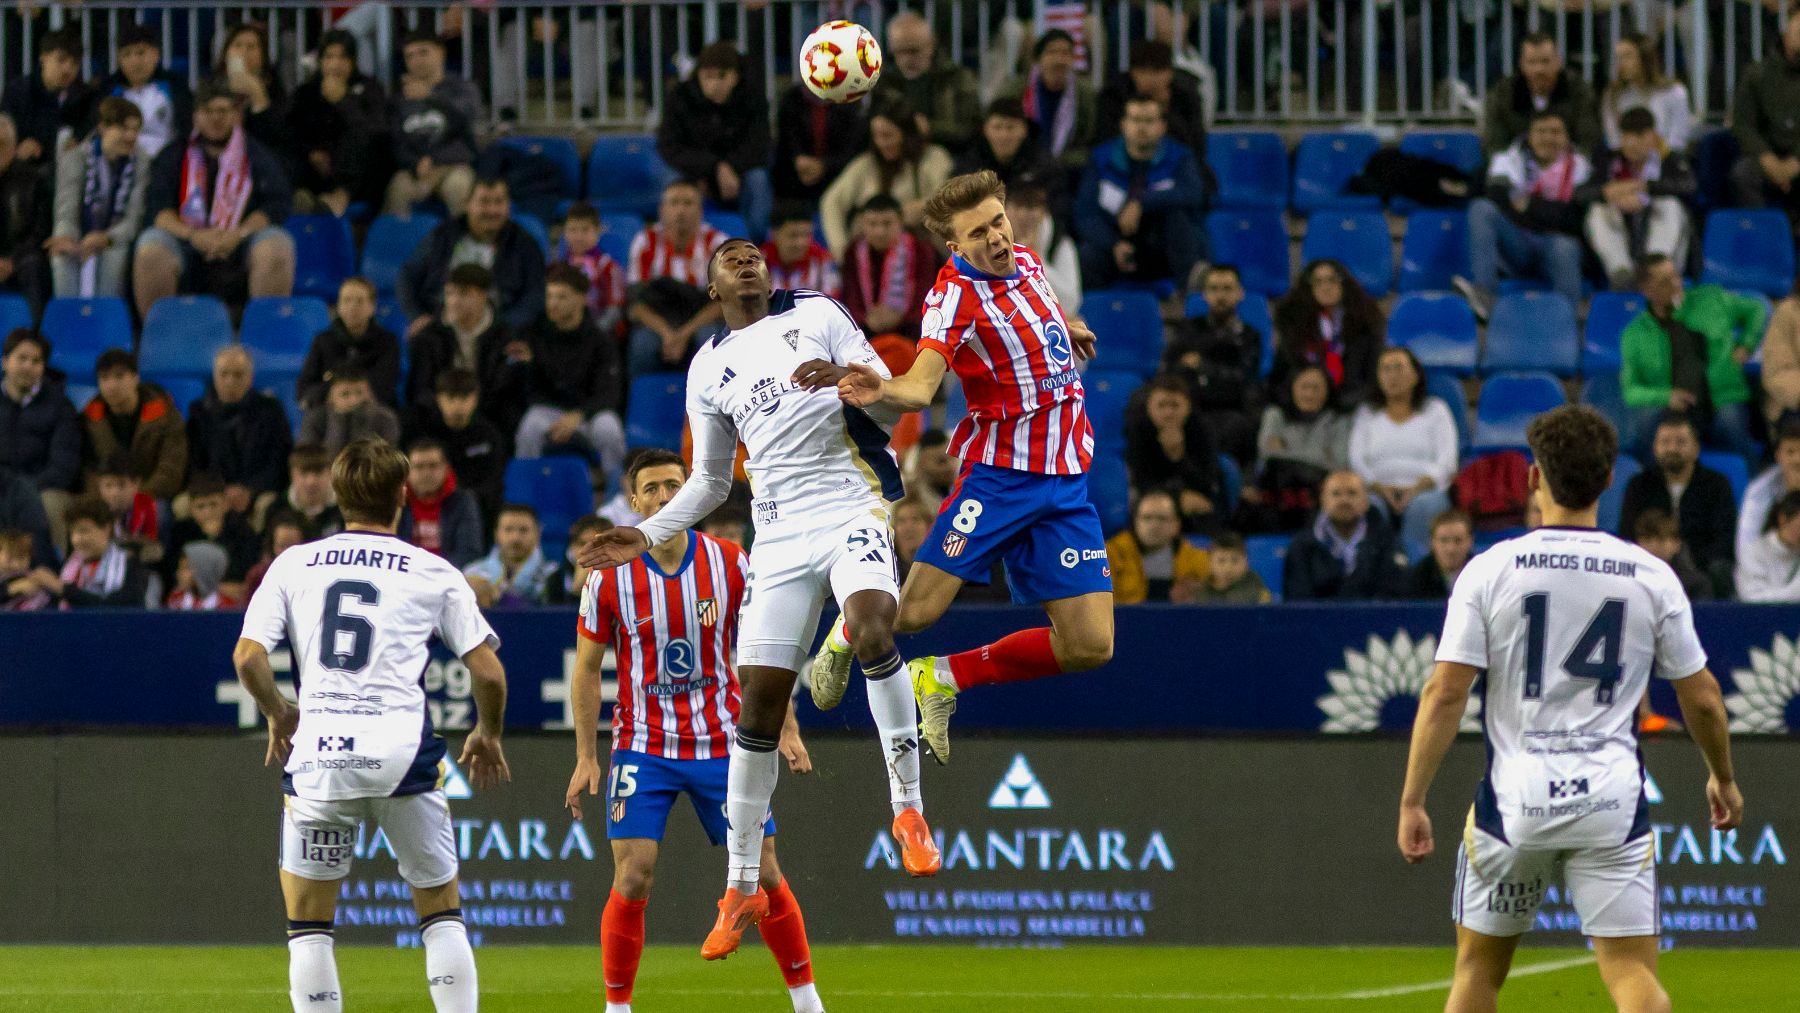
{"x":673,"y":634}
{"x":1009,"y":345}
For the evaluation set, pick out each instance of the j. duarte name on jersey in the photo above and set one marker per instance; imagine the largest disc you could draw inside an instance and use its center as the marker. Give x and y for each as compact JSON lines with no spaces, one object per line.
{"x":764,"y":396}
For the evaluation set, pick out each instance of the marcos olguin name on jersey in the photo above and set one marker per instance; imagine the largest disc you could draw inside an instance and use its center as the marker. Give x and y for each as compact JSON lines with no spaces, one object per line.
{"x":1575,"y":561}
{"x":396,"y":561}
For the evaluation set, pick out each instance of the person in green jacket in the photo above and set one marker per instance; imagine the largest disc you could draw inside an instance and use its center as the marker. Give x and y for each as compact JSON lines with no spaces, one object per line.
{"x":1685,"y":353}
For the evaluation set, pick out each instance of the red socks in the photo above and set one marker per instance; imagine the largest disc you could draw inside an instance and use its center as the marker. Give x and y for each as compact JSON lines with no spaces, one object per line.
{"x":784,"y":931}
{"x":1016,"y":658}
{"x":621,"y":945}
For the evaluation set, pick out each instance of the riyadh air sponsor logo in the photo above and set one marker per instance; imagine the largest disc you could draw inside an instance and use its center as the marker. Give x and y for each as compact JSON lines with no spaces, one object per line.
{"x":1372,"y":679}
{"x":1766,"y":689}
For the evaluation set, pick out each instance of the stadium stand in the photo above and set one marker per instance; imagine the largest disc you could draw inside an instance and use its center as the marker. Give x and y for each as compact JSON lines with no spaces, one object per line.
{"x":1357,"y":239}
{"x":657,"y":409}
{"x":1129,"y":324}
{"x":1434,"y":250}
{"x":1749,"y":249}
{"x":278,"y":332}
{"x":1608,"y":313}
{"x":1108,"y":393}
{"x":1439,"y":328}
{"x":560,"y":150}
{"x":624,"y":173}
{"x":558,"y":488}
{"x":324,"y":254}
{"x":1324,"y":163}
{"x":1251,"y":167}
{"x":80,"y":329}
{"x":390,"y":242}
{"x":1532,"y":330}
{"x":1509,"y":401}
{"x":1256,"y":243}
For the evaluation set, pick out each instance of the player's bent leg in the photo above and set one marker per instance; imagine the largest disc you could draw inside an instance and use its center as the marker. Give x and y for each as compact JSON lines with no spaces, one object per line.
{"x":925,"y":597}
{"x":750,"y":784}
{"x":1628,"y":966}
{"x":1081,"y":630}
{"x":870,"y":615}
{"x":784,"y":932}
{"x":449,"y":959}
{"x":622,"y":920}
{"x":312,"y":953}
{"x":1482,"y":962}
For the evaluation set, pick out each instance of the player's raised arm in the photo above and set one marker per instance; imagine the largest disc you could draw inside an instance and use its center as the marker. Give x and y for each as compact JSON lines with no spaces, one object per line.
{"x":865,"y":387}
{"x":584,"y":699}
{"x":251,"y":659}
{"x":1703,"y":708}
{"x":1441,"y":707}
{"x":715,"y":450}
{"x":481,"y":752}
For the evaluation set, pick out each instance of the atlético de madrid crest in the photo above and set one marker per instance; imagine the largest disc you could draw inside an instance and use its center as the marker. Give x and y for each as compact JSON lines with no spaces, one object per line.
{"x":793,"y":339}
{"x":954,"y":544}
{"x":708,"y":611}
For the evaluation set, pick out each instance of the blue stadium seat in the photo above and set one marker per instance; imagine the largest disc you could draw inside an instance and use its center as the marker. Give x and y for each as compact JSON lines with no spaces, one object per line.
{"x":1439,"y":328}
{"x":657,"y":410}
{"x":535,"y":226}
{"x":1449,"y":389}
{"x":1268,"y":560}
{"x":283,"y":387}
{"x":278,"y":332}
{"x":560,"y":150}
{"x":1254,"y":312}
{"x":80,"y":329}
{"x":324,"y":254}
{"x":389,"y":315}
{"x":1532,"y":330}
{"x":1251,"y":167}
{"x":1460,"y":149}
{"x":625,"y":224}
{"x":1109,"y":489}
{"x":183,"y":390}
{"x":558,"y":488}
{"x":1128,"y":329}
{"x":956,"y":406}
{"x":389,"y":244}
{"x":1108,"y":392}
{"x":181,"y":334}
{"x":1602,"y":391}
{"x":79,"y":394}
{"x":1435,"y":249}
{"x":624,"y":173}
{"x":1324,"y":162}
{"x":731,"y":223}
{"x":1749,"y":249}
{"x":1715,"y":152}
{"x":1612,"y":501}
{"x":1508,"y":403}
{"x":1608,"y":313}
{"x":1357,"y":239}
{"x":1231,"y":479}
{"x":1732,"y":467}
{"x":1256,"y":243}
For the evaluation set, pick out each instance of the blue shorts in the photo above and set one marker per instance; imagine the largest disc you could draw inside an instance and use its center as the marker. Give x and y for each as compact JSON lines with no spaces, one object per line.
{"x":641,"y":789}
{"x":1042,"y":526}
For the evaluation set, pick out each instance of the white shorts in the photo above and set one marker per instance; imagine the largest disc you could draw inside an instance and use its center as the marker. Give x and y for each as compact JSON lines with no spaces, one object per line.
{"x":318,"y":839}
{"x":1499,"y":887}
{"x":790,"y":572}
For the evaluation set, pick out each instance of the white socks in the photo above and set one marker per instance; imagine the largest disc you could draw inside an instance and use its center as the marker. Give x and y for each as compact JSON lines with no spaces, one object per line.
{"x":618,"y":1007}
{"x":806,"y":998}
{"x":312,"y":971}
{"x":450,"y":963}
{"x":897,"y":721}
{"x":749,"y":786}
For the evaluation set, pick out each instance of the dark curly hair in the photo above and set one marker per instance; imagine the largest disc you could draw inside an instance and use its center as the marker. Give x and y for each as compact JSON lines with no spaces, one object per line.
{"x":1574,"y":447}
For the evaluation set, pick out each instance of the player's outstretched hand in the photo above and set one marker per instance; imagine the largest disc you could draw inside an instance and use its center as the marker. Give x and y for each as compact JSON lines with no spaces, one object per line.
{"x":1415,"y":833}
{"x":818,"y":374}
{"x":860,"y":386}
{"x":586,"y":779}
{"x":485,"y":761}
{"x":794,"y":749}
{"x":613,"y":548}
{"x":1082,"y":339}
{"x":1726,"y":802}
{"x":281,"y":735}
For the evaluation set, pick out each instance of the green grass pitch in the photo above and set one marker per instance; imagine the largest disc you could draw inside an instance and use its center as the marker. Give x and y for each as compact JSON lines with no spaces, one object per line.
{"x":943,"y":979}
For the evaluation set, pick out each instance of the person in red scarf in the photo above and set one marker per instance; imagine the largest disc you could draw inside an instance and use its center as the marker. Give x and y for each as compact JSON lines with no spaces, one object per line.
{"x":887,"y":271}
{"x":98,"y":573}
{"x":439,"y":517}
{"x":1327,"y":320}
{"x":1529,"y":223}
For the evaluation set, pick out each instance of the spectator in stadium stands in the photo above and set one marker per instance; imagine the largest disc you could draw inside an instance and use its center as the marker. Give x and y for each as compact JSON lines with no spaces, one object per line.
{"x":244,"y":68}
{"x":209,"y":520}
{"x":1781,"y":361}
{"x":22,"y":509}
{"x":514,"y":572}
{"x":465,"y":334}
{"x":1302,"y":439}
{"x":1452,"y":539}
{"x":814,"y":140}
{"x":354,"y":340}
{"x":1006,"y":145}
{"x":52,"y":106}
{"x":1767,"y":132}
{"x":668,"y":307}
{"x":1140,"y":205}
{"x":309,"y":491}
{"x":284,"y":530}
{"x":1700,"y":498}
{"x":929,"y":470}
{"x":1636,"y":201}
{"x":163,"y":99}
{"x":136,"y":527}
{"x":943,"y":98}
{"x":913,"y":517}
{"x":433,"y":130}
{"x":730,"y":522}
{"x":1639,"y":83}
{"x":240,"y":434}
{"x":573,"y":377}
{"x":215,"y":206}
{"x":1028,"y":208}
{"x":888,"y":271}
{"x":40,"y":434}
{"x":97,"y":573}
{"x":1660,"y":535}
{"x":1403,"y":443}
{"x":1168,"y":447}
{"x":715,"y":131}
{"x":199,"y":581}
{"x":565,"y":587}
{"x":98,"y":206}
{"x":1229,"y":580}
{"x":1151,"y":75}
{"x":1349,"y":552}
{"x":18,"y":591}
{"x":1059,"y":102}
{"x":24,"y":222}
{"x":137,"y":417}
{"x":475,"y":447}
{"x":439,"y":516}
{"x":580,"y":246}
{"x":1686,"y":352}
{"x":899,"y":163}
{"x":348,"y":413}
{"x":795,"y":258}
{"x":1529,"y":224}
{"x":1541,"y":85}
{"x":1768,"y":569}
{"x":1328,"y":320}
{"x":1777,"y":481}
{"x":486,"y":236}
{"x":336,"y":134}
{"x":1221,"y":358}
{"x":1150,"y":560}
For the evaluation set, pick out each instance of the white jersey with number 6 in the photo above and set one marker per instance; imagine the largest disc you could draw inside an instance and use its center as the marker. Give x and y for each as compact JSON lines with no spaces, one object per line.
{"x":358,"y":610}
{"x":1569,"y":623}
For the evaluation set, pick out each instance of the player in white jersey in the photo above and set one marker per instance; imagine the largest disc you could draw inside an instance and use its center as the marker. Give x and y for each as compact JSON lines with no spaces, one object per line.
{"x":822,"y":478}
{"x":357,"y":610}
{"x":1569,"y":623}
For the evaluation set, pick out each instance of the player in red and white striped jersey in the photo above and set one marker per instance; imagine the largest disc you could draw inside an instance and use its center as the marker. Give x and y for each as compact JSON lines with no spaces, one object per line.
{"x":671,"y":617}
{"x":1025,"y":447}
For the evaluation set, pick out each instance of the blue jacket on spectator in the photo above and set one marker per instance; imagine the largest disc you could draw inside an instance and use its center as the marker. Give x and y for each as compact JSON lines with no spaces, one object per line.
{"x":1172,"y":185}
{"x":41,"y":438}
{"x":518,"y":273}
{"x":528,"y":583}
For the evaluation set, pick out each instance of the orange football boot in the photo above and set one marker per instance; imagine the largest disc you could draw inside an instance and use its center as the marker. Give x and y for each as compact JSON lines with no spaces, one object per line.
{"x":918,"y":852}
{"x":737,"y":912}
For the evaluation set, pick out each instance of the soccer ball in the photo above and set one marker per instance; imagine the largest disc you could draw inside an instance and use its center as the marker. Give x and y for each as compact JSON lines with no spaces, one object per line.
{"x":840,"y":61}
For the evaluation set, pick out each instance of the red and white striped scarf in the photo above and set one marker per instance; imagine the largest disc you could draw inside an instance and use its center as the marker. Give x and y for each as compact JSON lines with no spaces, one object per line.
{"x":896,"y":292}
{"x":224,"y":209}
{"x":102,"y":577}
{"x":1553,"y":182}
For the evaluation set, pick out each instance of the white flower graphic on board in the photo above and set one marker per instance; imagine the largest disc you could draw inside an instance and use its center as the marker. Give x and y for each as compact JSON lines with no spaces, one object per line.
{"x":1765,"y":690}
{"x":1379,"y":687}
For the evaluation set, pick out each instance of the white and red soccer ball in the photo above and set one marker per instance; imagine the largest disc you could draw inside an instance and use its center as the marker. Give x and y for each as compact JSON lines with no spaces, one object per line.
{"x":840,"y":61}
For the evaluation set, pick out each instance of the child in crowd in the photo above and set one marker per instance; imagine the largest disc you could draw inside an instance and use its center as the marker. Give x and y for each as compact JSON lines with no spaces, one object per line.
{"x":99,"y":572}
{"x":197,"y":580}
{"x":1660,"y":535}
{"x":580,"y":246}
{"x":350,"y":412}
{"x":18,"y":591}
{"x":1231,"y":581}
{"x":135,"y":526}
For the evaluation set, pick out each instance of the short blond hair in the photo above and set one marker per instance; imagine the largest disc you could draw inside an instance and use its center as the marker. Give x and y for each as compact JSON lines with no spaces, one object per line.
{"x":369,"y":477}
{"x":959,"y":194}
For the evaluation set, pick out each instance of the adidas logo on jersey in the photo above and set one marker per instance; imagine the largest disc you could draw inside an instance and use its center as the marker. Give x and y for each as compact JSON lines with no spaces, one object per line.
{"x":729,"y":376}
{"x":1019,"y":789}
